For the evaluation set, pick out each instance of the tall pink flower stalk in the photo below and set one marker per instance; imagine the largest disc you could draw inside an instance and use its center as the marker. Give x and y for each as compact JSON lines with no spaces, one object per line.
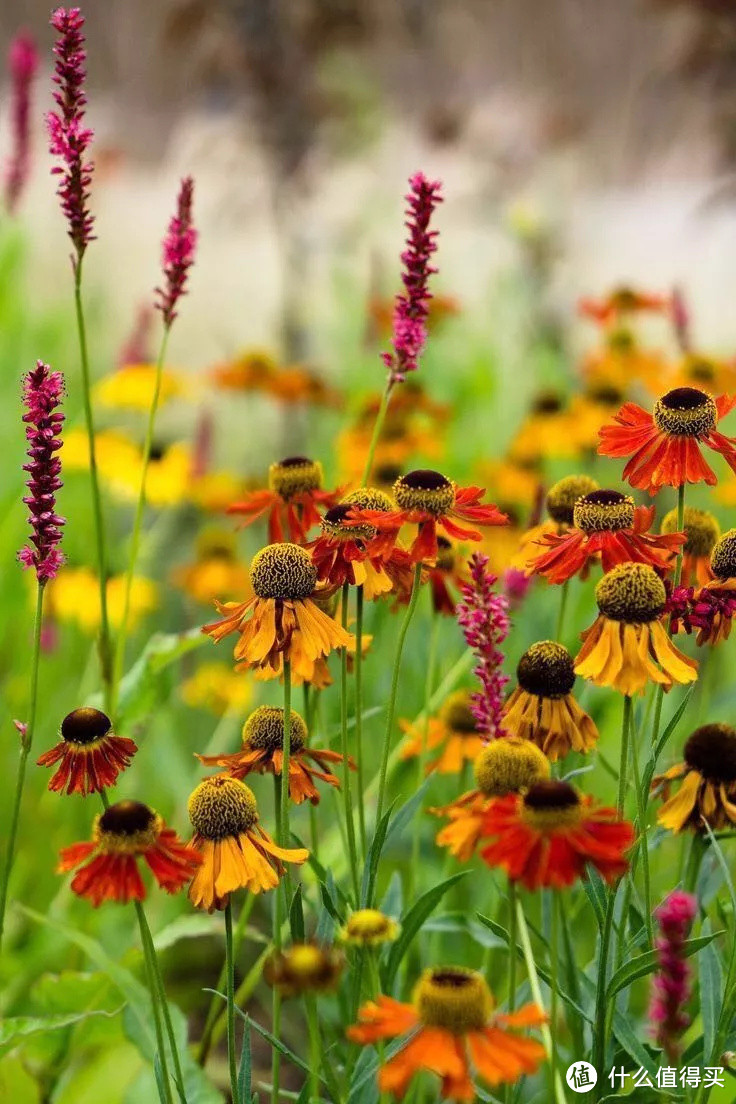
{"x":22,"y":63}
{"x":69,"y":136}
{"x":671,"y":983}
{"x":42,"y":393}
{"x":411,"y":309}
{"x":178,"y":249}
{"x":483,"y":615}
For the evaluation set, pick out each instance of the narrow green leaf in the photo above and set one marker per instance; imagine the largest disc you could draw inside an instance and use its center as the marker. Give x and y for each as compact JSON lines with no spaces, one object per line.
{"x":711,"y":991}
{"x":412,"y":921}
{"x":188,"y":927}
{"x":374,"y":855}
{"x":245,"y":1090}
{"x":647,"y":962}
{"x":14,"y":1029}
{"x":596,"y":893}
{"x":659,"y":747}
{"x":405,"y":814}
{"x":296,"y":916}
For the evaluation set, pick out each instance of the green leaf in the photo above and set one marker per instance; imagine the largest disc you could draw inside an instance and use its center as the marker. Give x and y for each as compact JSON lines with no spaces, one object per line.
{"x":651,"y":766}
{"x":647,"y":962}
{"x":296,"y":916}
{"x":363,"y":1085}
{"x":711,"y":991}
{"x":406,"y":813}
{"x":373,"y":857}
{"x":412,"y":921}
{"x":329,"y":904}
{"x":276,"y":1043}
{"x":596,"y":893}
{"x":14,"y":1029}
{"x":188,"y":927}
{"x":245,"y":1091}
{"x":141,"y":686}
{"x":626,"y":1037}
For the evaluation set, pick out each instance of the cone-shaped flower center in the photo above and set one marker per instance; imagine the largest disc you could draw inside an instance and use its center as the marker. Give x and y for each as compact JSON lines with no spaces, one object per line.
{"x":685,"y":412}
{"x":126,"y":828}
{"x":602,"y":511}
{"x":222,"y":806}
{"x":701,"y":530}
{"x":509,"y":765}
{"x":304,"y":967}
{"x":631,"y":592}
{"x":711,"y":751}
{"x":294,"y":475}
{"x":85,"y":726}
{"x":283,"y":571}
{"x":546,"y":669}
{"x":453,"y":998}
{"x":370,"y":498}
{"x":551,"y":806}
{"x":723,"y":558}
{"x":264,"y":730}
{"x":563,"y":495}
{"x":333,"y":525}
{"x":425,"y":490}
{"x":367,"y":924}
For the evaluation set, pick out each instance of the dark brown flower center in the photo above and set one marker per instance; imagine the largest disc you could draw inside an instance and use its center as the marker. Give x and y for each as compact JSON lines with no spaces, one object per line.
{"x":711,"y":751}
{"x":295,"y":475}
{"x":127,"y":818}
{"x":424,"y":490}
{"x":547,"y":402}
{"x":85,"y":725}
{"x":685,"y":412}
{"x":551,"y":795}
{"x":603,"y":511}
{"x":546,"y":669}
{"x":723,"y":558}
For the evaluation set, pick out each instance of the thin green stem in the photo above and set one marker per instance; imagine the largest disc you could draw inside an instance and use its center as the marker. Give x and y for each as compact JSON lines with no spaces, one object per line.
{"x":214,"y":1011}
{"x":158,"y":979}
{"x":155,"y":1002}
{"x":284,"y":832}
{"x":105,"y":641}
{"x":315,"y":1045}
{"x":390,"y":713}
{"x":378,"y":426}
{"x":601,"y":1004}
{"x":277,"y":921}
{"x":347,"y":785}
{"x":697,"y":849}
{"x":554,"y":975}
{"x":26,"y":740}
{"x":624,"y":761}
{"x":526,"y":946}
{"x":422,"y":757}
{"x":564,"y":594}
{"x":641,"y":804}
{"x":230,"y":966}
{"x":358,"y":672}
{"x":135,"y":538}
{"x":680,"y":529}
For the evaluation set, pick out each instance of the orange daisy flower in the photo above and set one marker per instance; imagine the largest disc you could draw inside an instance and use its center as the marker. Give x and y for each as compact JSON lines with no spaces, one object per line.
{"x":235,"y":851}
{"x":547,"y":837}
{"x":427,"y":499}
{"x":664,"y":447}
{"x":304,"y":968}
{"x":620,"y":302}
{"x":701,"y":534}
{"x":216,"y":569}
{"x":454,"y":1033}
{"x":282,"y":621}
{"x":713,"y":605}
{"x":560,"y":503}
{"x":455,"y":731}
{"x":696,"y":370}
{"x":708,"y":791}
{"x":89,"y":754}
{"x":616,"y":364}
{"x":542,"y":707}
{"x":263,"y":750}
{"x":446,"y":577}
{"x":120,"y":835}
{"x":291,"y":500}
{"x":507,"y":765}
{"x":627,"y":646}
{"x":343,"y":553}
{"x":547,"y":431}
{"x":608,"y":525}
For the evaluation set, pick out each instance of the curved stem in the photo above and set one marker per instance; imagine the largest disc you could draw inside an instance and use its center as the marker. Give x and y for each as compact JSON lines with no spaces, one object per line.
{"x":215,"y":1009}
{"x":285,"y":779}
{"x":135,"y":538}
{"x":641,"y":803}
{"x":159,"y":982}
{"x":26,"y":740}
{"x":378,"y":426}
{"x":394,"y":690}
{"x":230,"y":966}
{"x":564,"y":594}
{"x":155,"y":1006}
{"x":358,"y":670}
{"x":536,"y":989}
{"x":105,"y":642}
{"x":623,"y":769}
{"x":276,"y":996}
{"x":347,"y":787}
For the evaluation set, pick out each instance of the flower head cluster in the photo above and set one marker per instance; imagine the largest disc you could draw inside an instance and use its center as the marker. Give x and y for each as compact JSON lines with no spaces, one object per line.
{"x":69,"y":138}
{"x":42,"y":393}
{"x":177,"y":253}
{"x":411,"y":309}
{"x":701,"y":610}
{"x":671,"y":986}
{"x":23,"y":63}
{"x":483,"y":617}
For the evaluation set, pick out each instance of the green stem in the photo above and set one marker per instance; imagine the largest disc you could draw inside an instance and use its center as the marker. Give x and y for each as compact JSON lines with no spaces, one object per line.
{"x":26,"y":739}
{"x":215,"y":1009}
{"x":277,"y":921}
{"x":284,"y":832}
{"x":315,"y":1046}
{"x":601,"y":1004}
{"x":554,"y":975}
{"x":155,"y":1005}
{"x":230,"y":965}
{"x":698,"y":847}
{"x":138,"y":521}
{"x":536,"y":989}
{"x":680,"y":529}
{"x":158,"y":979}
{"x":564,"y":594}
{"x":378,"y":426}
{"x":512,"y":946}
{"x":105,"y":644}
{"x":394,"y":690}
{"x":624,"y":762}
{"x":641,"y":804}
{"x":347,"y":786}
{"x":358,"y":671}
{"x":422,"y":758}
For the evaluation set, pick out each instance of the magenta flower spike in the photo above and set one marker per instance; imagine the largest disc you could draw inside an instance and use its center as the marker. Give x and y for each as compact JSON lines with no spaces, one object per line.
{"x":483,"y":616}
{"x":671,"y":983}
{"x":42,"y":395}
{"x":178,"y":250}
{"x":22,"y":64}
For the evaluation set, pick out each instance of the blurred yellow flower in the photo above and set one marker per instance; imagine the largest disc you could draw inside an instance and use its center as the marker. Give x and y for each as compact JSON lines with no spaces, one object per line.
{"x":132,"y":386}
{"x":216,"y":572}
{"x":546,"y":432}
{"x":74,"y":596}
{"x":218,"y":688}
{"x":114,"y":451}
{"x":120,"y":460}
{"x":708,"y":373}
{"x":215,"y":491}
{"x":509,"y":482}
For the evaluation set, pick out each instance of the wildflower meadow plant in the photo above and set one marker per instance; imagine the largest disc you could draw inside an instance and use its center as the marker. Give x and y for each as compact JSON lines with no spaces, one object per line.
{"x":365,"y":787}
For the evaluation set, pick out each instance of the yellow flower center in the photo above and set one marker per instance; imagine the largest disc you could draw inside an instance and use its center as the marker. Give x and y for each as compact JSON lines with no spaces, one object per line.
{"x":509,"y":765}
{"x":368,"y":924}
{"x":333,"y":525}
{"x":723,"y":558}
{"x":216,"y":544}
{"x":370,"y":498}
{"x":453,"y":998}
{"x":264,"y":730}
{"x":631,"y":592}
{"x":294,"y":475}
{"x":603,"y":511}
{"x":457,"y":714}
{"x":701,"y":530}
{"x":425,"y":490}
{"x":711,"y":751}
{"x":283,"y":571}
{"x":126,"y":828}
{"x":546,"y":669}
{"x":85,"y":726}
{"x":563,"y":495}
{"x":551,"y":806}
{"x":303,"y":967}
{"x":222,"y":806}
{"x":685,"y":412}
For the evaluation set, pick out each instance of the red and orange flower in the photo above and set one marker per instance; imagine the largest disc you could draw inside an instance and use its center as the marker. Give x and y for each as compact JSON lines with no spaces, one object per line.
{"x":454,"y":732}
{"x":620,"y":303}
{"x":89,"y":754}
{"x":453,"y":1032}
{"x":548,"y":836}
{"x":123,"y":833}
{"x":664,"y":446}
{"x":345,"y":553}
{"x":291,"y":500}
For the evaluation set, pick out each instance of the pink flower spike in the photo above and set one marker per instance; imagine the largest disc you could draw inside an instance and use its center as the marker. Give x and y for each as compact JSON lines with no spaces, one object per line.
{"x":42,"y":394}
{"x":22,"y":63}
{"x":69,"y":138}
{"x":484,"y":618}
{"x":671,"y":983}
{"x":410,"y":311}
{"x":178,"y":253}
